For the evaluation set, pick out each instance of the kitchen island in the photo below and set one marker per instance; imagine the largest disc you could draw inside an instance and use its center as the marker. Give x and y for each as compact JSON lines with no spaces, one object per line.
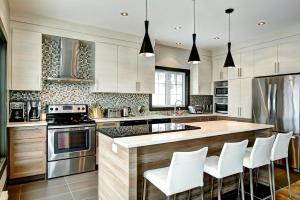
{"x":123,"y":158}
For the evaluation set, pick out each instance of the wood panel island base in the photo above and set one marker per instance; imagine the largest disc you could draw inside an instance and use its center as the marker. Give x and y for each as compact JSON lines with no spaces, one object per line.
{"x":123,"y":160}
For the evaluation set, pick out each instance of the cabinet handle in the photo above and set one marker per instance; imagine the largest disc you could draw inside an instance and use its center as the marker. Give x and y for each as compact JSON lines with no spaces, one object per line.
{"x":240,"y":111}
{"x":275,"y":66}
{"x":240,"y":72}
{"x":278,"y":67}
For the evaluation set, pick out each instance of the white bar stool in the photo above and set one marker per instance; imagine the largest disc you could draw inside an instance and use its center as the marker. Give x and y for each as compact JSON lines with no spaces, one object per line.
{"x":185,"y":173}
{"x":280,"y":150}
{"x":229,"y":163}
{"x":258,"y":156}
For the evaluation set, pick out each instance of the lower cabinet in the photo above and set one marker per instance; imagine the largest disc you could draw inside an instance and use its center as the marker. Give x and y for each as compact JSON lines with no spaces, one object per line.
{"x":27,"y":151}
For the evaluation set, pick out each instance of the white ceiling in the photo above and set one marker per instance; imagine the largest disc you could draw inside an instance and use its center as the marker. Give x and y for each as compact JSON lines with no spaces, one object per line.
{"x":164,"y":15}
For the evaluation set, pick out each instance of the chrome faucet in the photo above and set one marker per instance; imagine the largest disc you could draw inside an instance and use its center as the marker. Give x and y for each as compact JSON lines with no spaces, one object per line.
{"x":175,"y":107}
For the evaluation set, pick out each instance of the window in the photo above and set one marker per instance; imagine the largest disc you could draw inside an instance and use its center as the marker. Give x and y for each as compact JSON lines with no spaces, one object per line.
{"x":171,"y":87}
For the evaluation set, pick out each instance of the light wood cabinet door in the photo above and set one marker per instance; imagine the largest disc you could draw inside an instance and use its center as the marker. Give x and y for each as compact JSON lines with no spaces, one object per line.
{"x":265,"y":61}
{"x":26,"y":73}
{"x":146,"y":75}
{"x":106,"y":68}
{"x":27,"y":152}
{"x":127,"y":69}
{"x":234,"y":97}
{"x":289,"y":58}
{"x":246,"y":98}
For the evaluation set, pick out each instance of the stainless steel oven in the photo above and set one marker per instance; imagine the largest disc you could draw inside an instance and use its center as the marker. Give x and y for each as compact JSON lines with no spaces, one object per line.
{"x":71,"y":141}
{"x":221,"y":108}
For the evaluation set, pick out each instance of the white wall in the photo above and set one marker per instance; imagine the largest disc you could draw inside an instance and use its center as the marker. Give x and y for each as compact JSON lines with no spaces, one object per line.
{"x":167,"y":56}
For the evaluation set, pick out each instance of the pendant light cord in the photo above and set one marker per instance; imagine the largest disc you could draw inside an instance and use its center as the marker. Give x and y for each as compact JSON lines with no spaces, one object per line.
{"x":194,"y":16}
{"x":229,"y":27}
{"x":146,"y":10}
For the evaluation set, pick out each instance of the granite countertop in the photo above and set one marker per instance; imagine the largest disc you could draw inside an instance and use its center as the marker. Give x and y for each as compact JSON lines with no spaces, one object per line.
{"x":208,"y":129}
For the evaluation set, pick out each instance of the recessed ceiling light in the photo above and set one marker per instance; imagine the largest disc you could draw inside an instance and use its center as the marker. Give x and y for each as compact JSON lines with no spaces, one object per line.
{"x":178,"y":27}
{"x":178,"y":43}
{"x":216,"y":38}
{"x":261,"y":23}
{"x":124,"y":13}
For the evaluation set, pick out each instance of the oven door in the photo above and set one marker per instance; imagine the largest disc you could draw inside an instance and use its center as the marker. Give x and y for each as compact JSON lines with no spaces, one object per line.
{"x":71,"y":142}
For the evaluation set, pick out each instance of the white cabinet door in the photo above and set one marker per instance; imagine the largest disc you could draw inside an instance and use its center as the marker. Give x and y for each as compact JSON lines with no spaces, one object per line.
{"x":106,"y":68}
{"x":234,"y":91}
{"x":247,"y":62}
{"x":205,"y":75}
{"x":265,"y":61}
{"x":219,"y":72}
{"x":26,"y":60}
{"x":233,"y":72}
{"x":289,"y":58}
{"x":246,"y":98}
{"x":146,"y":75}
{"x":127,"y":69}
{"x":194,"y":80}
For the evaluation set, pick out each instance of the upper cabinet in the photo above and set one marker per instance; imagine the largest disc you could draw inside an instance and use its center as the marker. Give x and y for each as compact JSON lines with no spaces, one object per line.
{"x":201,"y":78}
{"x":127,"y":69}
{"x":280,"y":59}
{"x":106,"y":68}
{"x":146,"y":75}
{"x":26,"y":62}
{"x":243,"y":65}
{"x":121,"y":69}
{"x":220,"y":73}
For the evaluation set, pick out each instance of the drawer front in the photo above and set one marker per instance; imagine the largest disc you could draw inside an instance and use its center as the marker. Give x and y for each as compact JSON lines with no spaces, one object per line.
{"x":108,"y":124}
{"x":20,"y":133}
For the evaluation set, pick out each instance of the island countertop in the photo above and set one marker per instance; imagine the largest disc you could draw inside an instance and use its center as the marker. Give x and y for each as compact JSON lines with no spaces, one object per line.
{"x":208,"y":129}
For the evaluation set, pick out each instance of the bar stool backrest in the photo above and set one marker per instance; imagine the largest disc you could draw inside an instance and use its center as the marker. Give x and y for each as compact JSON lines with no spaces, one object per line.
{"x":231,"y":158}
{"x":261,"y":152}
{"x":280,"y":147}
{"x":186,"y":170}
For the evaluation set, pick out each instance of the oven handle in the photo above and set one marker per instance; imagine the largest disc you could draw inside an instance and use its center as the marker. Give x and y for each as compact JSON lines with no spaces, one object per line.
{"x":71,"y":126}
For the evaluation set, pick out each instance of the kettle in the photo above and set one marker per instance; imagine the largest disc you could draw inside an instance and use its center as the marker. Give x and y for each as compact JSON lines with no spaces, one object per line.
{"x":126,"y":111}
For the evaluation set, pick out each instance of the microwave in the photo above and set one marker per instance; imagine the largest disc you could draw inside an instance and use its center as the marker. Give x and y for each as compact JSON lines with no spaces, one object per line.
{"x":221,"y":108}
{"x":221,"y":91}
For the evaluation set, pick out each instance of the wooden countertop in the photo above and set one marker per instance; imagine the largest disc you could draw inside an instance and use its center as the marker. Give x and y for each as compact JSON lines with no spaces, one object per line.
{"x":208,"y":129}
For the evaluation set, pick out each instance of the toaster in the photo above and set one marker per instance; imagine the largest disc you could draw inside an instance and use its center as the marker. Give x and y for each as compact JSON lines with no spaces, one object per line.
{"x":112,"y":113}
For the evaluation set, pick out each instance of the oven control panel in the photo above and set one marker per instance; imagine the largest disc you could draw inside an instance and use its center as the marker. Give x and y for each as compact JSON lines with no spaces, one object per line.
{"x":76,"y":108}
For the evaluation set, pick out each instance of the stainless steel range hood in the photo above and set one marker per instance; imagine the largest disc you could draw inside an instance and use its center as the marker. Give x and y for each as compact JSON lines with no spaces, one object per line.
{"x":69,"y":61}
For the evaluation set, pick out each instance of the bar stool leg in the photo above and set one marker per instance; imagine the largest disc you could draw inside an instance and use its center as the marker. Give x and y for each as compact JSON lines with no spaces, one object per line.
{"x":174,"y":197}
{"x":219,"y":189}
{"x":189,"y":197}
{"x":212,"y":188}
{"x":273,"y":179}
{"x":145,"y":189}
{"x":242,"y":185}
{"x":288,"y":176}
{"x":202,"y":198}
{"x":168,"y":198}
{"x":270,"y":181}
{"x":251,"y":184}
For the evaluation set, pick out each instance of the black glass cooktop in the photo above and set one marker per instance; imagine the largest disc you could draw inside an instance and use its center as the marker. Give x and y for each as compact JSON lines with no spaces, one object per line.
{"x":137,"y":130}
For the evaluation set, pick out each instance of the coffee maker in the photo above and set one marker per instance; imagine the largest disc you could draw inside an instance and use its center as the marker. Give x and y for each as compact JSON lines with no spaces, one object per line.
{"x":33,"y":110}
{"x":17,"y":111}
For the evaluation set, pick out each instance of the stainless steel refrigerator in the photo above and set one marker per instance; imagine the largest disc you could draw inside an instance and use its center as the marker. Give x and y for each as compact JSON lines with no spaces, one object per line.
{"x":276,"y":100}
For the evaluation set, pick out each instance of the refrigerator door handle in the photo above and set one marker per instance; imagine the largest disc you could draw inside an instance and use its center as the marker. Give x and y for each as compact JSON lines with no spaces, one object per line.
{"x":269,"y":100}
{"x":274,"y":103}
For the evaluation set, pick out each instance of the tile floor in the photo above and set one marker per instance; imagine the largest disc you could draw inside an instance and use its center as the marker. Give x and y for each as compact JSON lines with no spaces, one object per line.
{"x":76,"y":187}
{"x":85,"y":186}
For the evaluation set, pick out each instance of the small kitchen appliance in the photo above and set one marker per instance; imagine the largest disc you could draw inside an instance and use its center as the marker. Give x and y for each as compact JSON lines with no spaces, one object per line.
{"x":126,"y":111}
{"x":17,"y":111}
{"x":112,"y":113}
{"x":33,"y":110}
{"x":71,"y":140}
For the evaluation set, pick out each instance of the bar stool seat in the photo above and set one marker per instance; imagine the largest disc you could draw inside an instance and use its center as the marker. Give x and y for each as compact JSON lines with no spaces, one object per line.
{"x":158,"y":177}
{"x":211,"y":166}
{"x":184,"y":173}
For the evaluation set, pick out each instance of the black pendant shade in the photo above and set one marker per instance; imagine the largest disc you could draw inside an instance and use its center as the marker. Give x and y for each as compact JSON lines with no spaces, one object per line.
{"x":146,"y":48}
{"x":194,"y":56}
{"x":229,"y":60}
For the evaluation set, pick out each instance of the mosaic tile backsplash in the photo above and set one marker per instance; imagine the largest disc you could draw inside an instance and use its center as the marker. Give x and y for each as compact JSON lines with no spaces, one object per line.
{"x":76,"y":93}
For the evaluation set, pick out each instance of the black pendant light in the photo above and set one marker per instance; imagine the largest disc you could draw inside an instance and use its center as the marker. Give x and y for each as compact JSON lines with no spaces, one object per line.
{"x":229,"y":60}
{"x":146,"y":48}
{"x":194,"y":56}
